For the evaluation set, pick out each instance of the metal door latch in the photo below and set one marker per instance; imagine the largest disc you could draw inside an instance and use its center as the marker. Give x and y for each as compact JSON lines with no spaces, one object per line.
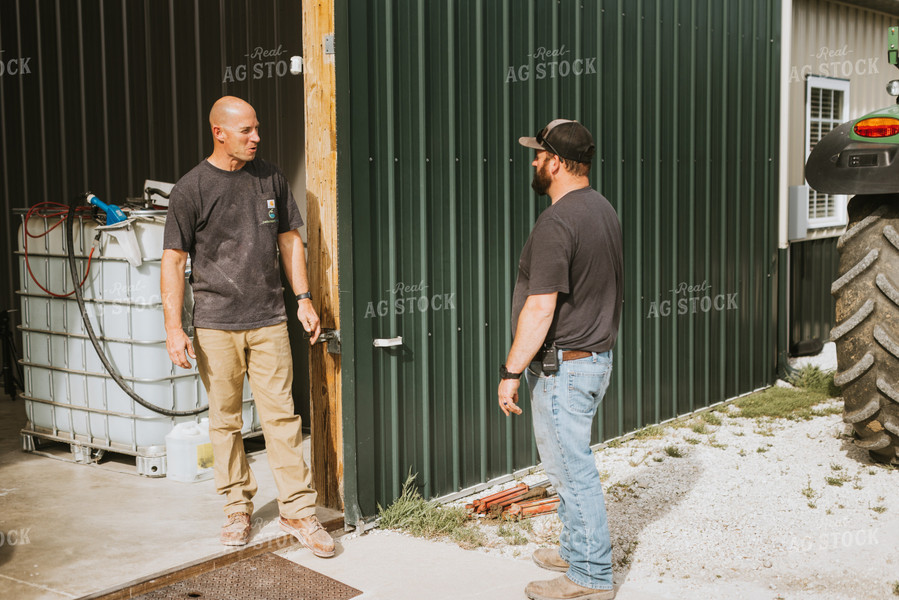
{"x":332,"y":336}
{"x":388,"y":342}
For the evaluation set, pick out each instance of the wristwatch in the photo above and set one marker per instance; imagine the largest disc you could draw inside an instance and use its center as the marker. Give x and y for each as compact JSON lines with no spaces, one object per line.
{"x":304,"y":295}
{"x":505,"y":374}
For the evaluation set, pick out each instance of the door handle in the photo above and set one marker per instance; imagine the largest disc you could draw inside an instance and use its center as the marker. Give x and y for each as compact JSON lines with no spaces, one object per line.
{"x":388,"y":342}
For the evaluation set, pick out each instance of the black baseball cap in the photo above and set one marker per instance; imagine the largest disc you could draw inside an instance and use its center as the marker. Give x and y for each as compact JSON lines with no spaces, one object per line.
{"x":564,"y":137}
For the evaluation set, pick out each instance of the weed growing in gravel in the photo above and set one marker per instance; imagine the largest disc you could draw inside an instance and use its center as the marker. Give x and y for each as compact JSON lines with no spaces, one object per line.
{"x":763,"y":428}
{"x":809,"y":492}
{"x":780,"y":403}
{"x":627,"y":555}
{"x":714,"y":443}
{"x":512,"y":535}
{"x":673,"y":452}
{"x":653,"y":431}
{"x":691,"y":440}
{"x":412,"y":513}
{"x":711,"y":418}
{"x":837,"y":481}
{"x":761,"y":449}
{"x":657,"y":458}
{"x":814,"y":379}
{"x":699,"y":428}
{"x":879,"y":509}
{"x":896,"y":588}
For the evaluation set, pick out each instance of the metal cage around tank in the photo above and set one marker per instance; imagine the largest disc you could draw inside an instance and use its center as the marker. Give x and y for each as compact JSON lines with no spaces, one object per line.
{"x":68,"y":395}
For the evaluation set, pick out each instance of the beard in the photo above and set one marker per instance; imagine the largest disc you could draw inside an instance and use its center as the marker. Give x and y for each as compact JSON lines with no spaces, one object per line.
{"x":541,"y":181}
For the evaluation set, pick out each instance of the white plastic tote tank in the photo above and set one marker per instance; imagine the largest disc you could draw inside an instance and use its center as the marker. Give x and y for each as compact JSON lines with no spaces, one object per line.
{"x":68,"y":394}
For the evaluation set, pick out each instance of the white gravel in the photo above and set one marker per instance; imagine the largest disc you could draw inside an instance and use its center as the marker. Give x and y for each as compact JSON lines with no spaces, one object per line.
{"x":752,"y":509}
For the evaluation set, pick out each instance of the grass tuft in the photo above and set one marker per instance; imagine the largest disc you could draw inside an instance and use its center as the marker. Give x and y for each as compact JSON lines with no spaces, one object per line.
{"x":673,"y":452}
{"x":813,"y":379}
{"x":413,"y":514}
{"x":652,"y":431}
{"x":780,"y":403}
{"x":512,"y":535}
{"x":711,"y":418}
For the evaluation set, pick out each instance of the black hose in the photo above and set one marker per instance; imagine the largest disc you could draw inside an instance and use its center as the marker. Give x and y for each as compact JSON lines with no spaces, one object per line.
{"x":79,"y":297}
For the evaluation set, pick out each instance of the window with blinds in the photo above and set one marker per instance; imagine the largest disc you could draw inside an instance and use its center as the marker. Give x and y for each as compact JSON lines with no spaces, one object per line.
{"x":827,"y":106}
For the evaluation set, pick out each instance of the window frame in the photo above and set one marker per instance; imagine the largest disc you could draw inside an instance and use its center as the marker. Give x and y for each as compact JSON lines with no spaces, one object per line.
{"x":840,"y":217}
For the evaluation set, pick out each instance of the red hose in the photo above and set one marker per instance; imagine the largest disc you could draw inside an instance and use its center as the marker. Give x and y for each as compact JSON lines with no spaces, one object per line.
{"x":62,"y":214}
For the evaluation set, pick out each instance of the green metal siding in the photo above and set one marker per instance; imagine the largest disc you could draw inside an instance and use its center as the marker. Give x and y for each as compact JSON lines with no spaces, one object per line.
{"x":813,"y":268}
{"x":682,"y":98}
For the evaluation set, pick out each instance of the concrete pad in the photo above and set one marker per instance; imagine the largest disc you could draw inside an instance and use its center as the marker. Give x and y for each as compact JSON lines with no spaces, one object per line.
{"x":392,"y":566}
{"x":70,"y":530}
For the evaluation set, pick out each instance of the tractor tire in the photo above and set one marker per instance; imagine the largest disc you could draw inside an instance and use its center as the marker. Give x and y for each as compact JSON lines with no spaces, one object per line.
{"x":867,"y":329}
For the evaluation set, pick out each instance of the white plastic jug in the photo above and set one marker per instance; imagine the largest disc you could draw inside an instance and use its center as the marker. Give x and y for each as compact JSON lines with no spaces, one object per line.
{"x":189,"y":452}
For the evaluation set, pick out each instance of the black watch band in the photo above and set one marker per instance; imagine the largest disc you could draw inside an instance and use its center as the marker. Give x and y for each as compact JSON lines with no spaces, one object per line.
{"x":304,"y":295}
{"x":505,"y":374}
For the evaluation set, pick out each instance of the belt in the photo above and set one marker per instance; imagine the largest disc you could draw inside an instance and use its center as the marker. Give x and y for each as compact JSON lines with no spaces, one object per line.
{"x":566,"y":354}
{"x":575,"y":354}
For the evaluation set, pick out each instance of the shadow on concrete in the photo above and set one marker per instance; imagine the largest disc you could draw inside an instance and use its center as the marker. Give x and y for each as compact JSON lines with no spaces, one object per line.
{"x":6,"y":552}
{"x":639,"y":500}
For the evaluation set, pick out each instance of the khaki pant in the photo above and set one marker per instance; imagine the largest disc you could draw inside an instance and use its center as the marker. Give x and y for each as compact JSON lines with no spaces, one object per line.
{"x":263,"y":355}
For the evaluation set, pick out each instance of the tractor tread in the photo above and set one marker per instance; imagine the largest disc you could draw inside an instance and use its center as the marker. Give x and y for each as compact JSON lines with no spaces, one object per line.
{"x":887,"y":390}
{"x":855,"y":371}
{"x":865,"y":412}
{"x":852,"y":322}
{"x":854,"y":272}
{"x":877,"y":441}
{"x":891,"y":235}
{"x":891,"y":424}
{"x":860,"y":226}
{"x":884,"y":339}
{"x":888,"y":289}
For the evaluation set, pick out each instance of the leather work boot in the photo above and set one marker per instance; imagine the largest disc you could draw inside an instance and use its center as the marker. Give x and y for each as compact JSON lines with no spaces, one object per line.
{"x":563,"y":588}
{"x":549,"y":558}
{"x":311,"y":534}
{"x":236,"y":532}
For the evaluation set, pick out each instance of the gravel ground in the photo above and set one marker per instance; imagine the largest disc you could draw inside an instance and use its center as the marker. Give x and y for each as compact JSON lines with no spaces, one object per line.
{"x":750,"y":509}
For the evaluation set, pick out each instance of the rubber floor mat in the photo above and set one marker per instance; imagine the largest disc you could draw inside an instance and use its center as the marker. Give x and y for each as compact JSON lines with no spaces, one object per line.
{"x":263,"y":577}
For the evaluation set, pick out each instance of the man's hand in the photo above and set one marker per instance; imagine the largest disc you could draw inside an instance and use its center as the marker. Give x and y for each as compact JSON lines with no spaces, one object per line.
{"x":309,"y":319}
{"x":508,"y":396}
{"x":177,"y":343}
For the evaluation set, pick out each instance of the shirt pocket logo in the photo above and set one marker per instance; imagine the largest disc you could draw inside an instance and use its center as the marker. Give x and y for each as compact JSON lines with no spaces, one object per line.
{"x":270,"y":212}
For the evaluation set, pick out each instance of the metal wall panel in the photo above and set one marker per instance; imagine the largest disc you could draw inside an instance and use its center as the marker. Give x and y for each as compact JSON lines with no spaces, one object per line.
{"x":112,"y":92}
{"x":813,"y":268}
{"x":435,"y":206}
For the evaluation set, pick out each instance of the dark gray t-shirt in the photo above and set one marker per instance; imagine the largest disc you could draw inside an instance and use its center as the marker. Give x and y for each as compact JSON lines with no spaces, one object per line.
{"x":575,"y":250}
{"x":229,"y":221}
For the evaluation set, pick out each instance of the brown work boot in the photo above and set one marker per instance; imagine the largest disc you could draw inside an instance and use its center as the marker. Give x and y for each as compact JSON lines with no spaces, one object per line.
{"x":549,"y":558}
{"x":563,"y":588}
{"x":311,"y":534}
{"x":236,"y":532}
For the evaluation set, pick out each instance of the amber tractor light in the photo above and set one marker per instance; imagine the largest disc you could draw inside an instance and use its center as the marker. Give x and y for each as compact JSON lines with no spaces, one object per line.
{"x":877,"y":127}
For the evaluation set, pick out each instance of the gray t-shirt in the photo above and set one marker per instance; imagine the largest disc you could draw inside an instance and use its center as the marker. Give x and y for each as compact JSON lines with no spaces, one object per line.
{"x":229,"y":221}
{"x":575,"y":250}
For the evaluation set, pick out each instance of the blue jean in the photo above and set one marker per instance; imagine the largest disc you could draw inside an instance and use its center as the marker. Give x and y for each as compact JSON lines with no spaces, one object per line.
{"x":563,"y":408}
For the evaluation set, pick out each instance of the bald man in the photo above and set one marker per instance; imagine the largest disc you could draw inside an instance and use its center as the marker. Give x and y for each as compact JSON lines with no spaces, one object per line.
{"x":233,"y":215}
